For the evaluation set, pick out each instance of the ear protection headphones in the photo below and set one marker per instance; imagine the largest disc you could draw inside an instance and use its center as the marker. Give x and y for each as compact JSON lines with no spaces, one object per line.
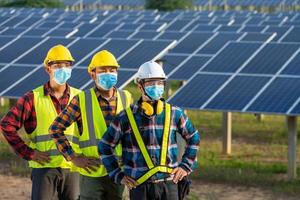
{"x":150,"y":110}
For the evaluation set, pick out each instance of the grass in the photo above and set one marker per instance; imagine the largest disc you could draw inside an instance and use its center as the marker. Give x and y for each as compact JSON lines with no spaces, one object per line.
{"x":259,"y":151}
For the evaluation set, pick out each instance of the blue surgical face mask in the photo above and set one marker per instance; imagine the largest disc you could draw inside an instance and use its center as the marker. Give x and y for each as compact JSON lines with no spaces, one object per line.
{"x":107,"y":80}
{"x":62,"y":75}
{"x":155,"y":92}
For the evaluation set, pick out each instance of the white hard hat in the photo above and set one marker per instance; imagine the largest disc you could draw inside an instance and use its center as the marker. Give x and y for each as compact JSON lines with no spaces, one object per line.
{"x":150,"y":69}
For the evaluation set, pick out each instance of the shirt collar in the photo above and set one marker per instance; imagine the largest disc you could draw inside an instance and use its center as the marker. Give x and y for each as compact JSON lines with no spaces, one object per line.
{"x":49,"y":91}
{"x":99,"y":95}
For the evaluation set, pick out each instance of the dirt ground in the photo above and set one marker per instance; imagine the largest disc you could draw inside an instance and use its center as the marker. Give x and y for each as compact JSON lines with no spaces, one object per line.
{"x":18,"y":188}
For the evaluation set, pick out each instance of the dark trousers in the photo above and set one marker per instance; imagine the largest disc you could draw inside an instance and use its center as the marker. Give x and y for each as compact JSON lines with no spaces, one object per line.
{"x":155,"y":191}
{"x":99,"y":188}
{"x":54,"y":183}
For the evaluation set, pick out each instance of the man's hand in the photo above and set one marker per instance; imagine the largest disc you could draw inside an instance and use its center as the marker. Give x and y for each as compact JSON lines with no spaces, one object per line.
{"x":179,"y":173}
{"x":41,"y":157}
{"x":129,"y":182}
{"x":87,"y":163}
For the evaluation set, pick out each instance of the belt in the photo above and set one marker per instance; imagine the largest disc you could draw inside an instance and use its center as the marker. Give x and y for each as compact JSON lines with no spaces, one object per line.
{"x":161,"y":180}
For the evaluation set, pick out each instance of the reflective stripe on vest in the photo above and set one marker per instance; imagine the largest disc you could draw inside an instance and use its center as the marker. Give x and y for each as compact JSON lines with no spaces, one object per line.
{"x":45,"y":138}
{"x":94,"y":126}
{"x":164,"y":147}
{"x":40,"y":138}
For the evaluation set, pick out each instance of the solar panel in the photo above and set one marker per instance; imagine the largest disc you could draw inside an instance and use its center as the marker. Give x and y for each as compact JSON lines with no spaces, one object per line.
{"x":237,"y":93}
{"x":278,"y":97}
{"x":293,"y":35}
{"x":12,"y":22}
{"x":256,"y":29}
{"x":80,"y":77}
{"x":36,"y":79}
{"x":170,"y":62}
{"x":102,"y":30}
{"x":271,"y":58}
{"x":130,"y":26}
{"x":119,"y":34}
{"x":205,"y":27}
{"x":144,"y":52}
{"x":48,"y":24}
{"x":191,"y":42}
{"x":171,"y":35}
{"x":231,"y":58}
{"x":83,"y":47}
{"x":188,"y":69}
{"x":218,"y":42}
{"x":60,"y":32}
{"x":116,"y":46}
{"x":178,"y":25}
{"x":260,"y":37}
{"x":17,"y":48}
{"x":145,"y":35}
{"x":198,"y":91}
{"x":38,"y":55}
{"x":293,"y":68}
{"x":29,"y":22}
{"x":13,"y":31}
{"x":36,"y":32}
{"x":5,"y":40}
{"x":151,"y":27}
{"x":229,"y":28}
{"x":295,"y":110}
{"x":7,"y":80}
{"x":280,"y":31}
{"x":84,"y":29}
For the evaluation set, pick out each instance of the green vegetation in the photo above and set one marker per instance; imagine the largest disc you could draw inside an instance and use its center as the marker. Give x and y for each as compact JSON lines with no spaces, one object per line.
{"x":33,"y":3}
{"x":169,"y":5}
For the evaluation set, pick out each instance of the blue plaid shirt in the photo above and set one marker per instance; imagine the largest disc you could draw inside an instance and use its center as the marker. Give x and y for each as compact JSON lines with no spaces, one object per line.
{"x":151,"y":130}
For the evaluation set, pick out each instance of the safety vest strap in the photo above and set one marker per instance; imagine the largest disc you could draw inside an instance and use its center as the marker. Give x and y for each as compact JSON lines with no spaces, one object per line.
{"x":123,"y":98}
{"x":47,"y":138}
{"x":164,"y":145}
{"x":153,"y":171}
{"x":89,"y":114}
{"x":139,"y":139}
{"x":88,"y":143}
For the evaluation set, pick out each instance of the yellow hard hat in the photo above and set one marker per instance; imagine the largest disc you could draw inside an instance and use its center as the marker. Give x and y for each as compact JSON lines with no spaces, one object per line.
{"x":58,"y":53}
{"x":103,"y":59}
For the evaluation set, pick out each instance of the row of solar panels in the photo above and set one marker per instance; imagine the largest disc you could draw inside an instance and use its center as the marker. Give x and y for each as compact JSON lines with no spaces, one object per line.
{"x":83,"y":15}
{"x":214,"y":63}
{"x":141,"y":3}
{"x":150,"y":31}
{"x":245,"y":77}
{"x":21,"y":58}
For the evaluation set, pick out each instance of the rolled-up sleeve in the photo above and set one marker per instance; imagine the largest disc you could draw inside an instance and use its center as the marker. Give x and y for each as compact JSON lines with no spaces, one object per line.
{"x":192,"y":138}
{"x":106,"y":148}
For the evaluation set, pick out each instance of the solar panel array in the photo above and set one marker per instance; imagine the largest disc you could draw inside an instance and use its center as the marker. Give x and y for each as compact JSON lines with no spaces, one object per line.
{"x":232,"y":61}
{"x":203,"y":3}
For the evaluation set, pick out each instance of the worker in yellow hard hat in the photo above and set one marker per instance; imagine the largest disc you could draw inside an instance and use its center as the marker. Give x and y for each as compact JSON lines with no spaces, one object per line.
{"x":93,"y":110}
{"x":36,"y":110}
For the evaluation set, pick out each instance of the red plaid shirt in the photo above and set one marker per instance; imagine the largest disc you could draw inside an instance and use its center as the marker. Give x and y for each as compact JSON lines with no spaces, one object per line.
{"x":23,"y":113}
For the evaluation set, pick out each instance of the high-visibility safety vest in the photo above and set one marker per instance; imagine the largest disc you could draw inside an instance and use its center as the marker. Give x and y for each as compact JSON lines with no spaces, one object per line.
{"x":94,"y":126}
{"x":164,"y":146}
{"x":40,"y":138}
